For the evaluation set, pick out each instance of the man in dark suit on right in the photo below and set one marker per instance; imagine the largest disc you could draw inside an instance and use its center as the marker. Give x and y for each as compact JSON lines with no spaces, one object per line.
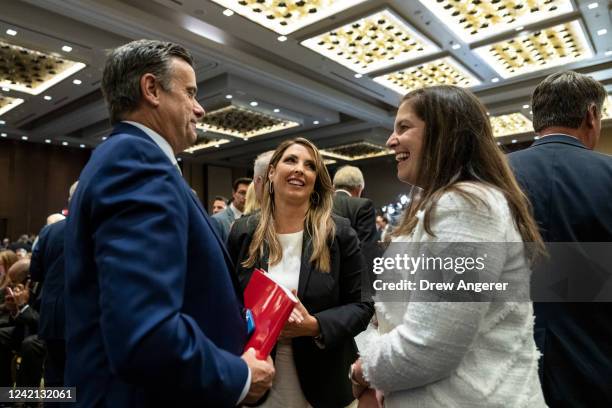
{"x":348,"y":203}
{"x":570,"y":188}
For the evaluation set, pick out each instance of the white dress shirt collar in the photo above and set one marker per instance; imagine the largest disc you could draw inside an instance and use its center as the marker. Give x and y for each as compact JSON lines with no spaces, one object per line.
{"x":237,"y":212}
{"x":158,"y":139}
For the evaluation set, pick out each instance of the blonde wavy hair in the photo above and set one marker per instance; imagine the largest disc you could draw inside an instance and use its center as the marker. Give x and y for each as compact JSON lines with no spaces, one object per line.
{"x":318,"y":224}
{"x":251,"y":204}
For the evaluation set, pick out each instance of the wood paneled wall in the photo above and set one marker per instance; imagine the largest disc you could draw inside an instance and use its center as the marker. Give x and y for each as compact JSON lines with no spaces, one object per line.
{"x":34,"y":182}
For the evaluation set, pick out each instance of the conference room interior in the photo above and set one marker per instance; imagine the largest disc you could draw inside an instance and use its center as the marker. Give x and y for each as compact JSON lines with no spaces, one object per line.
{"x":262,"y":81}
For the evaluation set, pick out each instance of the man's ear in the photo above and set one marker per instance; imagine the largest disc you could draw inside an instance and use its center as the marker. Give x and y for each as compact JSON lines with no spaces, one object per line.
{"x":592,"y":116}
{"x":149,"y":89}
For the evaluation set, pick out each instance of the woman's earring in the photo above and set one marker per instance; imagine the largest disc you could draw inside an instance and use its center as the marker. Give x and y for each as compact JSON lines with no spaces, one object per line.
{"x":271,"y":188}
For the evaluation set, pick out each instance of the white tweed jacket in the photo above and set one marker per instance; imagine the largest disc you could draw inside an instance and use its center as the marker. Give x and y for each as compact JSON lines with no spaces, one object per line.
{"x":470,"y":354}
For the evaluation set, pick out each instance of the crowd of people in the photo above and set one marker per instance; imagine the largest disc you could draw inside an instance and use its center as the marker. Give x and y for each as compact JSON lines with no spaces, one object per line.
{"x":140,"y":295}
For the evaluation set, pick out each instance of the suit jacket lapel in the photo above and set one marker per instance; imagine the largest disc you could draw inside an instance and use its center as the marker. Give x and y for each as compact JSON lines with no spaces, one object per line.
{"x":305,"y":266}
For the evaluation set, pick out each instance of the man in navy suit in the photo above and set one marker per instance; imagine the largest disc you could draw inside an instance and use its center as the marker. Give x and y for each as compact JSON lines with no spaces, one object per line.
{"x":570,"y":188}
{"x":153,"y":316}
{"x":47,"y":267}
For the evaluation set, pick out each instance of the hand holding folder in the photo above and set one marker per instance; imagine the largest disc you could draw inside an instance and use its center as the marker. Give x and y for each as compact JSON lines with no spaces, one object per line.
{"x":271,"y":304}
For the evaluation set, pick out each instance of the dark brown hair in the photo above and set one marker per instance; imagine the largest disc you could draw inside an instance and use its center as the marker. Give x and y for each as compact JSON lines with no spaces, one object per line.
{"x":458,"y":146}
{"x":564,"y":98}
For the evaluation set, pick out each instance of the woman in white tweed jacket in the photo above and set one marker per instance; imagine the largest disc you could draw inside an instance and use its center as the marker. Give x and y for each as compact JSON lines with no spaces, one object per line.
{"x":456,"y":354}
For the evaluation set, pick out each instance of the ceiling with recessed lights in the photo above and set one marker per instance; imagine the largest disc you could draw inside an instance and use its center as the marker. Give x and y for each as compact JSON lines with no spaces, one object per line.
{"x":329,"y":70}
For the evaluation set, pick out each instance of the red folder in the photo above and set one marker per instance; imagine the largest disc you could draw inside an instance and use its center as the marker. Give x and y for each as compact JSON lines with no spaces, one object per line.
{"x":271,"y":305}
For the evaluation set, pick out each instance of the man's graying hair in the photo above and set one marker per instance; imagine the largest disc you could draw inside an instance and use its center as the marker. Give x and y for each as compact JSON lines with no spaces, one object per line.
{"x":262,"y":162}
{"x":564,"y":98}
{"x":348,"y":178}
{"x":127,"y":64}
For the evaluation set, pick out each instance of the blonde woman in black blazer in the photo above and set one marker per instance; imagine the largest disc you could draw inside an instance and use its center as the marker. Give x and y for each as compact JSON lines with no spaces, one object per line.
{"x":316,"y":349}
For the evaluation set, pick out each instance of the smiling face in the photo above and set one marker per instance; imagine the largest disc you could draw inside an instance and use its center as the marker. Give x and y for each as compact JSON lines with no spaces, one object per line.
{"x":407,"y":143}
{"x":178,"y":108}
{"x":294,"y":175}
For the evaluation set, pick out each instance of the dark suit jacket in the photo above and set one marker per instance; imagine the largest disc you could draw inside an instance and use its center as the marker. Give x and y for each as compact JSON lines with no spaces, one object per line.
{"x":334,"y":298}
{"x":47,"y":267}
{"x":360,"y":212}
{"x":570,"y":188}
{"x":152,"y":313}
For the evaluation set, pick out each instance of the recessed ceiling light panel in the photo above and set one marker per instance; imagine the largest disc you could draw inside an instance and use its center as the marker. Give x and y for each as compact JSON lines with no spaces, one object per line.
{"x":356,"y":151}
{"x":7,"y":103}
{"x":607,"y":108}
{"x":443,"y":71}
{"x":511,"y":124}
{"x":479,"y":19}
{"x":241,"y":122}
{"x":206,"y":143}
{"x":550,"y":47}
{"x":285,"y":17}
{"x":32,"y":72}
{"x":372,"y":43}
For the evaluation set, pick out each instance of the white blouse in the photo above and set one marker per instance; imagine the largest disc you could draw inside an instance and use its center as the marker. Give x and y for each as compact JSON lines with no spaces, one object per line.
{"x":287,"y":271}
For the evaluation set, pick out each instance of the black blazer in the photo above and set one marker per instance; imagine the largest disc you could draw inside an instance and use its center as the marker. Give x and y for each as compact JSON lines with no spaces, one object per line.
{"x":360,"y":212}
{"x":570,"y":188}
{"x":47,"y":267}
{"x":334,"y":298}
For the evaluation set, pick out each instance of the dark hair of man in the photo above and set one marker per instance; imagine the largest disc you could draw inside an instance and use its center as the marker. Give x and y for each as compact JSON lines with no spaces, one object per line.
{"x":563,"y":100}
{"x":127,"y":64}
{"x":459,"y":146}
{"x":220,"y":198}
{"x":239,"y":181}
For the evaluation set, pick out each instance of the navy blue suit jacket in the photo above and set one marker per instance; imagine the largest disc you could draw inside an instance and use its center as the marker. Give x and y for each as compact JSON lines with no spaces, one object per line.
{"x":570,"y":188}
{"x":152,"y":312}
{"x":47,"y":267}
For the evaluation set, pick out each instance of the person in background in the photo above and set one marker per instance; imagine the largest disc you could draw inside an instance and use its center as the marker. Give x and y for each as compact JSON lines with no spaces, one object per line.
{"x":251,"y":204}
{"x":473,"y":352}
{"x":225,"y":219}
{"x":47,"y":268}
{"x":348,"y":203}
{"x":20,"y":336}
{"x":297,"y":239}
{"x":55,"y":217}
{"x":219,"y":204}
{"x":570,"y":188}
{"x":260,"y":168}
{"x":153,"y":317}
{"x":7,"y":259}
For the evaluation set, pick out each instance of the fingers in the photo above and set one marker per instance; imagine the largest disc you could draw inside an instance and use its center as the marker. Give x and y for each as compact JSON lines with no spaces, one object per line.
{"x":296,"y":317}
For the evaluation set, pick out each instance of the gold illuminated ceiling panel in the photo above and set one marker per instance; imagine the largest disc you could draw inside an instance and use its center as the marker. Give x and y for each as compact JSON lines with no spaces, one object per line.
{"x":529,"y":52}
{"x":32,"y":72}
{"x":206,"y":143}
{"x":356,"y":151}
{"x":242,"y":122}
{"x":8,"y":103}
{"x":511,"y":124}
{"x":607,"y":108}
{"x":443,"y":71}
{"x":285,"y":17}
{"x":372,"y":43}
{"x":474,"y":20}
